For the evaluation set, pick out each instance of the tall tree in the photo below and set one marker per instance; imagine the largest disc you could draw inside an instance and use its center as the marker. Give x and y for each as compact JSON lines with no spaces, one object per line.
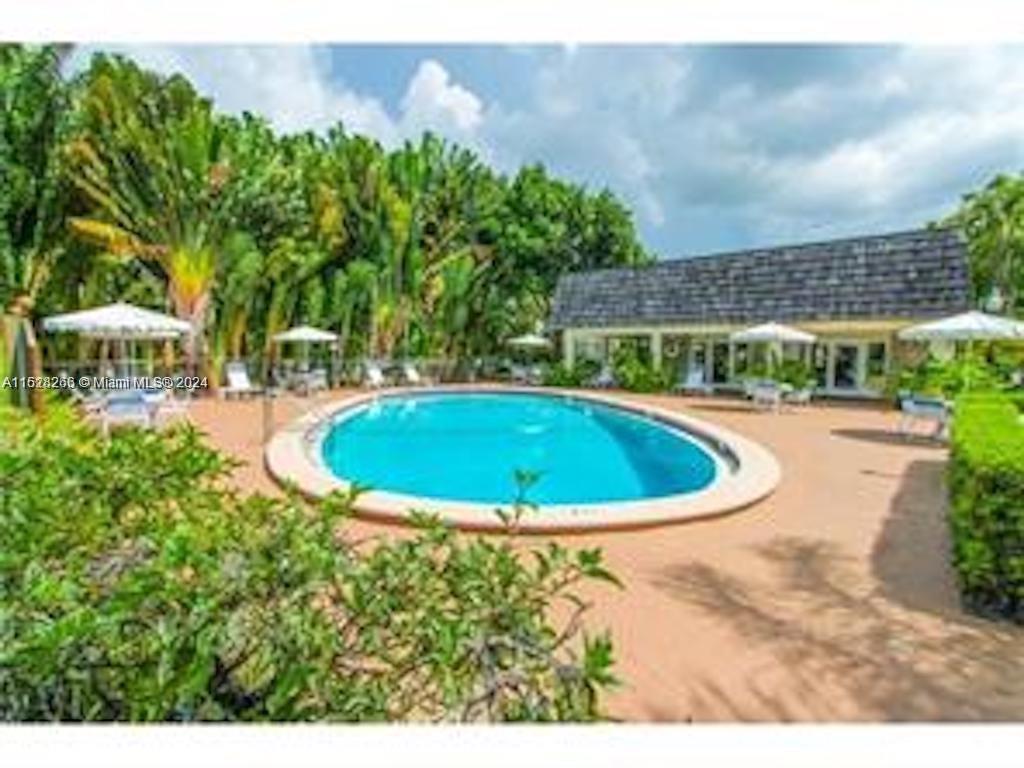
{"x":992,"y":220}
{"x":33,"y":121}
{"x":148,"y":157}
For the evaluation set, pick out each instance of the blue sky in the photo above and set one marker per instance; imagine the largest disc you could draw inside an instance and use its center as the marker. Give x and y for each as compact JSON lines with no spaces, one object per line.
{"x":713,"y":147}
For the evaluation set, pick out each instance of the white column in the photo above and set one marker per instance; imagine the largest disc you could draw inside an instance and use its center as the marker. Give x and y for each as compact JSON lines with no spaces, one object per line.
{"x":656,"y":349}
{"x":568,"y":348}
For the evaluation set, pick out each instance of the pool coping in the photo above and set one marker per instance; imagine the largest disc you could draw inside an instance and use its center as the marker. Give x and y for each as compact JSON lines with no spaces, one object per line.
{"x":290,"y":457}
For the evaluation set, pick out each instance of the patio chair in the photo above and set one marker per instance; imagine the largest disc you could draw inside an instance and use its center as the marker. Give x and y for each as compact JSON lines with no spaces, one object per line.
{"x":928,"y":409}
{"x":694,"y":383}
{"x":519,"y":374}
{"x":604,"y":379}
{"x":374,"y":377}
{"x":238,"y":381}
{"x":126,"y":407}
{"x":89,"y":400}
{"x":412,"y":375}
{"x":767,"y":395}
{"x":318,"y":380}
{"x":798,"y":396}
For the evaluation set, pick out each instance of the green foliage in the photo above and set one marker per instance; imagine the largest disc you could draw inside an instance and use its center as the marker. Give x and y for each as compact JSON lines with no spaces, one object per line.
{"x":992,"y":221}
{"x":635,"y":372}
{"x":949,"y":378}
{"x":33,"y":122}
{"x":562,"y":375}
{"x":418,"y":251}
{"x":796,"y":373}
{"x":136,"y":586}
{"x":987,"y":494}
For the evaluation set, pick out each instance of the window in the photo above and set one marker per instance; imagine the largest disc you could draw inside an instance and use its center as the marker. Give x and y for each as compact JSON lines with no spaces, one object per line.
{"x":589,"y":348}
{"x":876,"y":358}
{"x":741,"y":360}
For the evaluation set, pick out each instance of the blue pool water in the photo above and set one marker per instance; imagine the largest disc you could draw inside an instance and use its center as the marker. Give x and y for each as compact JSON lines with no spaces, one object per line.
{"x":468,"y":447}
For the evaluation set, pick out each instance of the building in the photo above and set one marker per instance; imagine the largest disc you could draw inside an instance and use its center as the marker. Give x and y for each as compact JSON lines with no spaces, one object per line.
{"x":854,"y":294}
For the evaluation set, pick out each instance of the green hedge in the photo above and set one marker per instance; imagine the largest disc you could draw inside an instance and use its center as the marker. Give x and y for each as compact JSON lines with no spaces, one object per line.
{"x":987,"y":493}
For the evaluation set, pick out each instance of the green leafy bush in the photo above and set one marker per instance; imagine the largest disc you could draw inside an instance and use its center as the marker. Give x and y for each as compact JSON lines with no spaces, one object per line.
{"x":562,"y":375}
{"x":987,"y":495}
{"x":636,"y":373}
{"x":948,"y":378}
{"x":137,"y":586}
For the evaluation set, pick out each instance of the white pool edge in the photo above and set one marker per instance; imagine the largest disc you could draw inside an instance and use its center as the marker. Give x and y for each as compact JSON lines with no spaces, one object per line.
{"x":293,"y":456}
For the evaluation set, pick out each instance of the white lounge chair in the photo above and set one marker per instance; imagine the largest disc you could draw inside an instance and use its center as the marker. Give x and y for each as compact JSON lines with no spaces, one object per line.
{"x":317,"y":380}
{"x":411,"y":375}
{"x":88,"y":399}
{"x":238,"y":381}
{"x":928,"y":409}
{"x":605,"y":378}
{"x":694,"y":383}
{"x":766,"y":395}
{"x":798,"y":396}
{"x":519,"y":374}
{"x":374,"y":378}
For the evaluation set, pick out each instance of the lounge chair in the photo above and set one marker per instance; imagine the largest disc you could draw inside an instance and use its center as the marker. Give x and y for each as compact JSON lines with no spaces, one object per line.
{"x":694,"y":383}
{"x":604,"y":379}
{"x":798,"y":396}
{"x":767,"y":395}
{"x":411,"y":375}
{"x":374,"y":378}
{"x":927,"y":409}
{"x":238,"y":381}
{"x":89,"y":400}
{"x":318,"y":380}
{"x":519,"y":374}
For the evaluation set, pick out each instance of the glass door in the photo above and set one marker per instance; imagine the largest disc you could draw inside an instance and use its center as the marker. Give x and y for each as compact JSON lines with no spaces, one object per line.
{"x":698,"y":358}
{"x":720,"y":362}
{"x":847,"y":375}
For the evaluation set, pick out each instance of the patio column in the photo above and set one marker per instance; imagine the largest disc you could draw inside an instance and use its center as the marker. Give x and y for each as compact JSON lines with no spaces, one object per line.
{"x":656,"y":349}
{"x":568,"y":348}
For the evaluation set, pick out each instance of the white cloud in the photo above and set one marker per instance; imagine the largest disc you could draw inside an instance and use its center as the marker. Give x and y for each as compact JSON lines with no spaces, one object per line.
{"x":433,"y":101}
{"x":289,"y":85}
{"x":292,"y":87}
{"x":714,"y":147}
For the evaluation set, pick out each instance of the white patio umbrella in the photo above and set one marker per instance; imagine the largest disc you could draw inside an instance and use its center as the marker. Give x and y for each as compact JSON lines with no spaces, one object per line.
{"x":121,"y":322}
{"x":306,"y":333}
{"x":969,"y":326}
{"x":529,"y":341}
{"x":118,"y":321}
{"x":772,"y":333}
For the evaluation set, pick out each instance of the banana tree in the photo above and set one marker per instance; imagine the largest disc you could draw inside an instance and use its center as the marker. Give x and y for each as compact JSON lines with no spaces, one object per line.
{"x":148,"y":158}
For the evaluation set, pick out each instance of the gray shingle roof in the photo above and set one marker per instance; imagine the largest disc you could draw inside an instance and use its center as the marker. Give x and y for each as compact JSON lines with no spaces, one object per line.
{"x":917,"y":274}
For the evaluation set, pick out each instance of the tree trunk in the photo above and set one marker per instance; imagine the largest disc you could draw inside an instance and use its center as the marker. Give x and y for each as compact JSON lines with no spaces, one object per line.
{"x":194,"y":313}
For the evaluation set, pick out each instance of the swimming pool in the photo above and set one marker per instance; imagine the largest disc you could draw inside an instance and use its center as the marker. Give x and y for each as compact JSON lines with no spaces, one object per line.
{"x":472,"y":446}
{"x":597,"y":461}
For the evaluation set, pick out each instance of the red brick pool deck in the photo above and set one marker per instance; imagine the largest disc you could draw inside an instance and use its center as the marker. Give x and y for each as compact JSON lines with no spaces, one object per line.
{"x":832,"y":600}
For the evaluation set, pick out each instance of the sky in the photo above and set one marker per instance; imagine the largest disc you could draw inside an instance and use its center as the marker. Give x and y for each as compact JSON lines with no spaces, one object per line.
{"x":714,"y":147}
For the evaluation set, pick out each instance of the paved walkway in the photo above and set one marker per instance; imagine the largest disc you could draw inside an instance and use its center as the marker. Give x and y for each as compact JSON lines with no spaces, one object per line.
{"x":831,"y":600}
